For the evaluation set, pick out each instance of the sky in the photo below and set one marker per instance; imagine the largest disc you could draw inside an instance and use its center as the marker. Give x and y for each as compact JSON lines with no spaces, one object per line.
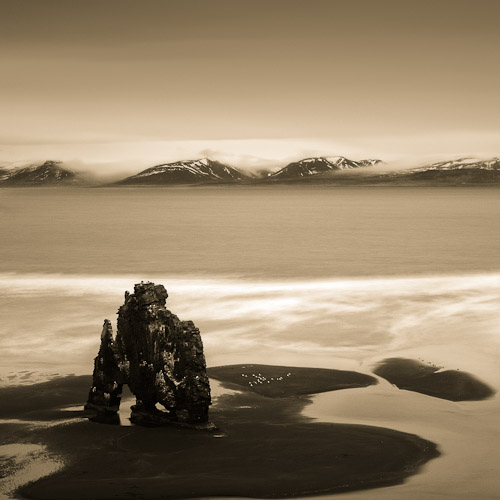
{"x":119,"y":84}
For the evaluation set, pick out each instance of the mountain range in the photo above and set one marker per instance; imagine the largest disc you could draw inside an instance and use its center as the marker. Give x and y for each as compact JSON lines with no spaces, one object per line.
{"x":50,"y":173}
{"x":456,"y":172}
{"x":332,"y":170}
{"x":319,"y":165}
{"x":186,"y":172}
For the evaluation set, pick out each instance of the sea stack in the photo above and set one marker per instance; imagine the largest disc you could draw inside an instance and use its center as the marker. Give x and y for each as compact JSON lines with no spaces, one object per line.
{"x":158,"y":356}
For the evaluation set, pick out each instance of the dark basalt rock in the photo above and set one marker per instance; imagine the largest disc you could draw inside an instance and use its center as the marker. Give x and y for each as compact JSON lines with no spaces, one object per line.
{"x":158,"y":356}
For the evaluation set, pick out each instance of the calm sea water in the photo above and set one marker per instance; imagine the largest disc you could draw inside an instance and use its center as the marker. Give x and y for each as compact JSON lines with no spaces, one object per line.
{"x":315,"y":276}
{"x":268,"y":232}
{"x":302,"y":270}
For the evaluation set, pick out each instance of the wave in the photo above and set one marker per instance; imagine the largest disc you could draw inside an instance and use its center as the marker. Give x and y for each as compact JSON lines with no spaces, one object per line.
{"x":331,"y":322}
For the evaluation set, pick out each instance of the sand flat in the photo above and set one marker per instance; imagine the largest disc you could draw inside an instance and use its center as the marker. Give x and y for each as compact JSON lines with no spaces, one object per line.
{"x":263,"y":448}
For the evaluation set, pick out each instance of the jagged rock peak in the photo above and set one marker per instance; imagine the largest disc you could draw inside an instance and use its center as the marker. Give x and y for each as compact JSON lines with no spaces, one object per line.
{"x":158,"y":356}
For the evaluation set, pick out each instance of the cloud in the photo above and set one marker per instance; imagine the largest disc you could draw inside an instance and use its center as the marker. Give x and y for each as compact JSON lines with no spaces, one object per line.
{"x":109,"y":158}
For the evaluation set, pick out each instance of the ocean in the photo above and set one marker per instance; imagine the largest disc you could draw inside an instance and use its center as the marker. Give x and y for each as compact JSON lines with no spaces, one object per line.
{"x":306,"y":276}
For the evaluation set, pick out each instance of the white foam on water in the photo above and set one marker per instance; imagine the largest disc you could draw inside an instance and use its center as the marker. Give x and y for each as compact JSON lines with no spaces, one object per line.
{"x":53,"y":321}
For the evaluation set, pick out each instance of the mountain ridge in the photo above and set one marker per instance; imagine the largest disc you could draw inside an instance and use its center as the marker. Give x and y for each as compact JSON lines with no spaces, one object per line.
{"x":463,"y":163}
{"x":320,"y":164}
{"x":49,"y":173}
{"x":203,"y":170}
{"x":335,"y":170}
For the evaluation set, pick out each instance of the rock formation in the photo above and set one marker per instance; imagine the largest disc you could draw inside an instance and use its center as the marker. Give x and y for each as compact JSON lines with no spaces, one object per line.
{"x":158,"y":356}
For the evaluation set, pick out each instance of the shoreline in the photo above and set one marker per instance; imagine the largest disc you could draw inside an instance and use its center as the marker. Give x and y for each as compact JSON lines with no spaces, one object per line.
{"x":264,"y":448}
{"x":466,"y":432}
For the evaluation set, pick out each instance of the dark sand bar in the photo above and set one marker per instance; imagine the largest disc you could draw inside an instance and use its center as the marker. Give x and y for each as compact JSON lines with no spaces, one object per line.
{"x":284,"y":381}
{"x":263,"y":446}
{"x":418,"y":376}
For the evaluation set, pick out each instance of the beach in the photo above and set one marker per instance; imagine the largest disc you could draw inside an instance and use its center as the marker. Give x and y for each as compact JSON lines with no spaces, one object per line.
{"x":318,"y":304}
{"x":263,"y":447}
{"x":249,"y":250}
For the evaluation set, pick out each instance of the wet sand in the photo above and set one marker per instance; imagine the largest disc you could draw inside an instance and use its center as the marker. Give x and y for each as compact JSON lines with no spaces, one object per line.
{"x":264,"y":447}
{"x":467,"y":434}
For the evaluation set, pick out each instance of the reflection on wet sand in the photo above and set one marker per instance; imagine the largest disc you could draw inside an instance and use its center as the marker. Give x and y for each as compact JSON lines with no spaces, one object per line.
{"x":467,"y":434}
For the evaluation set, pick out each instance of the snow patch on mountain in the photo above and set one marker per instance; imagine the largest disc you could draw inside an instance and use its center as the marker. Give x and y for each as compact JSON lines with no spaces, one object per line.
{"x":49,"y":173}
{"x":489,"y":164}
{"x":455,"y":165}
{"x":319,"y":165}
{"x":202,"y":170}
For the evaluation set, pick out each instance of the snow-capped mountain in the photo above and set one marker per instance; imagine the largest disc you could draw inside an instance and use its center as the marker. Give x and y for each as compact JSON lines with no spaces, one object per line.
{"x":50,"y":173}
{"x":319,"y":165}
{"x":4,"y":172}
{"x":186,"y":172}
{"x":462,"y":163}
{"x":464,"y":171}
